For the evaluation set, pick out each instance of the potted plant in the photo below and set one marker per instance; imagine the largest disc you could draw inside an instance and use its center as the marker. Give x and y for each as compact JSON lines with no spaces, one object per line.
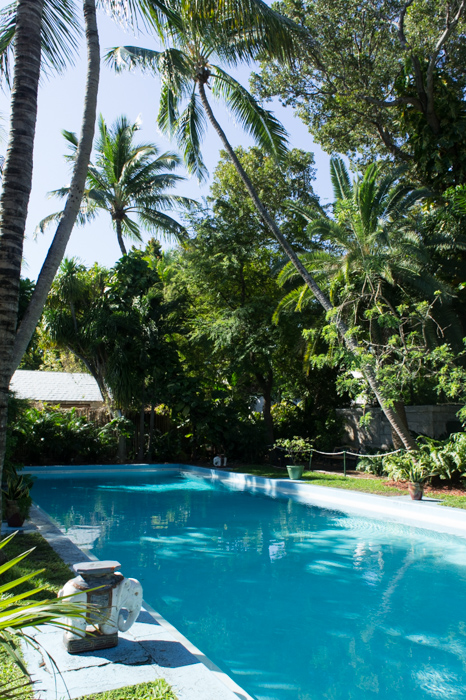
{"x":413,"y":467}
{"x":297,"y":450}
{"x":17,"y":501}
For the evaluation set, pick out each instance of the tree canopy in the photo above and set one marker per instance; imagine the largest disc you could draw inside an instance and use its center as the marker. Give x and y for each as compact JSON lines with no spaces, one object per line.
{"x":380,"y":79}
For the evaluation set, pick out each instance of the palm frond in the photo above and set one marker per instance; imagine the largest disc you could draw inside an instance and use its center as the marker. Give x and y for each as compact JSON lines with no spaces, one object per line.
{"x":131,"y":229}
{"x":61,"y":31}
{"x":340,"y":179}
{"x":191,"y":129}
{"x":172,"y":65}
{"x":163,"y":224}
{"x":168,"y":115}
{"x":263,"y":126}
{"x":259,"y":29}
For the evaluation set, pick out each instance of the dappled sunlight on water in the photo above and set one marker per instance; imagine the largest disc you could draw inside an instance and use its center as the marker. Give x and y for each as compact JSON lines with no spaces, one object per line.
{"x":293,"y":601}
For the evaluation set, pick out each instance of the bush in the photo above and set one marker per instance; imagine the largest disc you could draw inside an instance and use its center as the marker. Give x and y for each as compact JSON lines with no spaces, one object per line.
{"x":54,"y":436}
{"x":443,"y":458}
{"x":325,"y":430}
{"x":372,"y":465}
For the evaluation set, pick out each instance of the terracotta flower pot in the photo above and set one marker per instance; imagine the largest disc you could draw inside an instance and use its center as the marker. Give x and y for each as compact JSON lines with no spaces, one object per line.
{"x":416,"y":490}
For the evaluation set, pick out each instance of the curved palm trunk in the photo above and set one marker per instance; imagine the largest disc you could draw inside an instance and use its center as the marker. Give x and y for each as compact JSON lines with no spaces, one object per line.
{"x":120,"y":237}
{"x":17,"y":181}
{"x":73,"y":202}
{"x":392,"y":417}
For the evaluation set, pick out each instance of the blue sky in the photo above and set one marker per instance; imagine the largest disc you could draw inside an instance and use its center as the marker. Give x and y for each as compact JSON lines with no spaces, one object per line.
{"x":60,"y":107}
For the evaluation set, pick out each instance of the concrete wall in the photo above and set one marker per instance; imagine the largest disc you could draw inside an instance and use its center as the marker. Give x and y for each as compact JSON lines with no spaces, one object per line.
{"x":434,"y":421}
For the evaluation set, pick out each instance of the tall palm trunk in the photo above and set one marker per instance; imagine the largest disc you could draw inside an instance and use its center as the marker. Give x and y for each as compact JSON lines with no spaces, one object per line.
{"x":142,"y":422}
{"x":73,"y":202}
{"x":17,"y":180}
{"x":392,"y":417}
{"x":120,"y":237}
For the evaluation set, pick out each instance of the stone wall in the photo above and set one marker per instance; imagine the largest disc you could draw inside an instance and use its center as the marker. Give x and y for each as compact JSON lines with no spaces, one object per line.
{"x":434,"y":421}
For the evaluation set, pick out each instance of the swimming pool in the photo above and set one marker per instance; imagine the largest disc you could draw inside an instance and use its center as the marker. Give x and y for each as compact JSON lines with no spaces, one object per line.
{"x":293,"y":601}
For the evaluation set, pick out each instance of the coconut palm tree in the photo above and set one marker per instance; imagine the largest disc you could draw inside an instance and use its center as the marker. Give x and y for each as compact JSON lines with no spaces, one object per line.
{"x":29,"y":39}
{"x":185,"y":69}
{"x":127,"y":180}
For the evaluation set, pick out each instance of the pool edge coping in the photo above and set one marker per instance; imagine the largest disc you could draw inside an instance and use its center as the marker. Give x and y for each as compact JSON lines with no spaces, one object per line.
{"x":422,"y":514}
{"x":41,"y":522}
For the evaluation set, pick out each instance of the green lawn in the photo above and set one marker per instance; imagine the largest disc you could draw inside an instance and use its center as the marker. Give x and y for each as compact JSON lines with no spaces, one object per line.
{"x":157,"y":690}
{"x":55,"y":575}
{"x":372,"y":484}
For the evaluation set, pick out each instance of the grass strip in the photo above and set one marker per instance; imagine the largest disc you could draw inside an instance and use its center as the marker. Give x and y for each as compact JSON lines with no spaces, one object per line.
{"x":156,"y":690}
{"x":372,"y":484}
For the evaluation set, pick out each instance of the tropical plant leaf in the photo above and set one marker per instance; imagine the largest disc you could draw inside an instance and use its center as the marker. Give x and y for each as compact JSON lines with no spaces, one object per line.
{"x":61,"y":31}
{"x":263,"y":126}
{"x":191,"y":129}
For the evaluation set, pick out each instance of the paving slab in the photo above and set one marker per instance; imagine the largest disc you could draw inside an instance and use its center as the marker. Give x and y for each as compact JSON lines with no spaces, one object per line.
{"x":150,"y":653}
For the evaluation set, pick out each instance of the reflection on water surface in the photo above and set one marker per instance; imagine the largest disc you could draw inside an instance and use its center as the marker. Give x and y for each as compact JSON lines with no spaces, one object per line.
{"x":293,"y":601}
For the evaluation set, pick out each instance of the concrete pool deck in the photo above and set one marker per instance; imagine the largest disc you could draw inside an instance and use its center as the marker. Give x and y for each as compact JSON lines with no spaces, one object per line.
{"x":150,"y":650}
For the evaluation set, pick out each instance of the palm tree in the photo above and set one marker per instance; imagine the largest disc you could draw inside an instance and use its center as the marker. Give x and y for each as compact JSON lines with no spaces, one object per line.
{"x":185,"y":69}
{"x":27,"y":31}
{"x":370,"y":246}
{"x":372,"y":258}
{"x":29,"y":38}
{"x":127,"y":179}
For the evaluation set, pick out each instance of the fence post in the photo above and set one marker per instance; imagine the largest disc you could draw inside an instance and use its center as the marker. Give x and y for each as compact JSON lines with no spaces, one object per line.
{"x":310,"y":460}
{"x":344,"y":462}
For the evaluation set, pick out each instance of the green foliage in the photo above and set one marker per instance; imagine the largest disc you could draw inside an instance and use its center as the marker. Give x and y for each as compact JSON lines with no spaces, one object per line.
{"x":115,"y":321}
{"x":155,"y":690}
{"x":55,"y":436}
{"x":415,"y":466}
{"x":42,"y":574}
{"x":17,"y":491}
{"x":311,"y":418}
{"x":297,"y":449}
{"x":445,"y":459}
{"x":17,"y":408}
{"x":382,"y":282}
{"x":386,"y":81}
{"x":19,"y":611}
{"x":448,"y":458}
{"x":371,"y":465}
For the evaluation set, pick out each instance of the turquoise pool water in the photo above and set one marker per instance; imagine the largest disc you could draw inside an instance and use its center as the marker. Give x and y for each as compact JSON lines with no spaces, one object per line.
{"x":293,"y":601}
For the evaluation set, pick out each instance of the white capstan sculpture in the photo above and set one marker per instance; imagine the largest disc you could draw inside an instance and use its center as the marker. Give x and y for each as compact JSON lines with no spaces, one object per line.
{"x":115,"y":600}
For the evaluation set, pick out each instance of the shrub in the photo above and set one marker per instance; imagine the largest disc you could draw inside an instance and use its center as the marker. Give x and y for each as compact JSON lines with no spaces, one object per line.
{"x":53,"y":436}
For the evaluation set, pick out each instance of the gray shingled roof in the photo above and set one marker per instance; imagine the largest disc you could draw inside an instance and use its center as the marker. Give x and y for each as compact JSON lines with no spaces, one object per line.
{"x":59,"y":387}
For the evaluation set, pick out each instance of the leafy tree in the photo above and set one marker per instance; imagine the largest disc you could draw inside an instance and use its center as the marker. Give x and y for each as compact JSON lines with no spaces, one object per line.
{"x":380,"y":278}
{"x":370,"y":248}
{"x":113,"y":321}
{"x":380,"y":78}
{"x":185,"y":70}
{"x":226,"y":278}
{"x":127,"y":179}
